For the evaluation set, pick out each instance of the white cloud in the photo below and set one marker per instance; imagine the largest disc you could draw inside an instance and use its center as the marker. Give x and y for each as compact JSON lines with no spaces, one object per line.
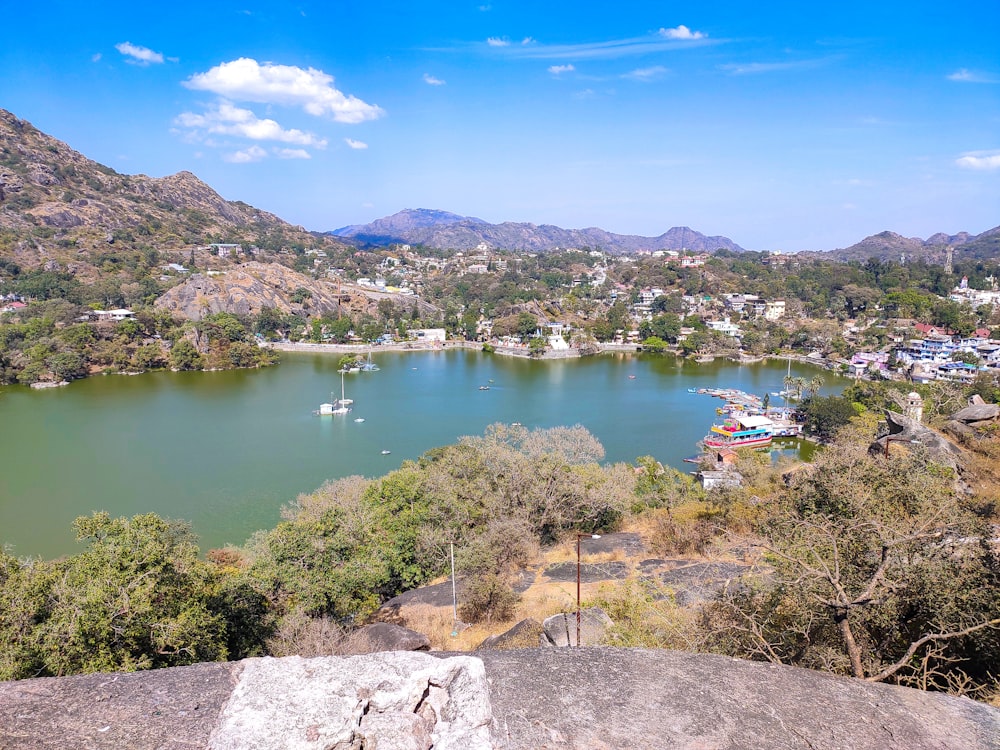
{"x":247,"y":80}
{"x":96,"y":57}
{"x":357,"y":145}
{"x":681,"y":32}
{"x":740,"y":69}
{"x":612,"y":48}
{"x":138,"y":55}
{"x":646,"y":74}
{"x":964,"y":75}
{"x":982,"y":160}
{"x":228,"y":119}
{"x":429,"y":79}
{"x":252,"y":154}
{"x":527,"y":40}
{"x":292,"y":153}
{"x":558,"y":69}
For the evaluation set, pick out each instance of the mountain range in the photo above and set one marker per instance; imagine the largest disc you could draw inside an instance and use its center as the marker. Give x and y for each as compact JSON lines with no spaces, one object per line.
{"x":892,"y":246}
{"x":441,"y":229}
{"x":57,"y":205}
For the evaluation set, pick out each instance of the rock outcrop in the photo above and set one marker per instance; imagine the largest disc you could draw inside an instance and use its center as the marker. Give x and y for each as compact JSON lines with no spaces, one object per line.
{"x":528,"y":633}
{"x":386,"y":636}
{"x":583,"y":699}
{"x":249,"y":287}
{"x":560,"y":630}
{"x":904,"y":430}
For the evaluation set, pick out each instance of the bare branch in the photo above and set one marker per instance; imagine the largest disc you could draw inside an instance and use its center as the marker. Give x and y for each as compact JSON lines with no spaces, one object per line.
{"x":929,"y":638}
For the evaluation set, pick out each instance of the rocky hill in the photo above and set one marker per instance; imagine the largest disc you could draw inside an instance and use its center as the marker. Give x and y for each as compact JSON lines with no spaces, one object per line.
{"x":555,"y":698}
{"x":444,"y":230}
{"x":891,"y":246}
{"x":249,"y":287}
{"x":58,"y":206}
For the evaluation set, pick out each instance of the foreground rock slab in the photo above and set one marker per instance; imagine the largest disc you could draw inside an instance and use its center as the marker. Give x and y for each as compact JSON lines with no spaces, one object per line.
{"x":556,"y":698}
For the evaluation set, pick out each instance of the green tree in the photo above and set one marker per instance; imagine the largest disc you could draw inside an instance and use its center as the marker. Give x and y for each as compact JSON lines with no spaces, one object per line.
{"x":526,"y":325}
{"x":823,"y":417}
{"x":138,"y":597}
{"x":184,"y":356}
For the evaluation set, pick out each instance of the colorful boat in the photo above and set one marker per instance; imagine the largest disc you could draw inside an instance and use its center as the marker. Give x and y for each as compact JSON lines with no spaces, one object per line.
{"x":740,"y":432}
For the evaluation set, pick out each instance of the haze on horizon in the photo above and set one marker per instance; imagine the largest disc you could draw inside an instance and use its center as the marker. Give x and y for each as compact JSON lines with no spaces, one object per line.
{"x":788,"y":128}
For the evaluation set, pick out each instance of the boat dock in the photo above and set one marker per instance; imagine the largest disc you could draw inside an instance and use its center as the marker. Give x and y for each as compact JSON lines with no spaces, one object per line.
{"x":742,"y":404}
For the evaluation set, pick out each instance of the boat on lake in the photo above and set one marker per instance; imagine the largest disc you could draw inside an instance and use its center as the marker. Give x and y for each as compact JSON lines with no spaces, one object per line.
{"x":744,"y":431}
{"x":341,"y":405}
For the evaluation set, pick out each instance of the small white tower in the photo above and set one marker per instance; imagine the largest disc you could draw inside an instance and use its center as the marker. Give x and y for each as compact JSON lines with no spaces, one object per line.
{"x":915,"y":407}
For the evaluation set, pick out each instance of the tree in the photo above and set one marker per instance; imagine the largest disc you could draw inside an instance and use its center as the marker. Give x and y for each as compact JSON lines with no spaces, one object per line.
{"x":814,"y":385}
{"x":880,"y":571}
{"x":138,"y":597}
{"x":654,"y":344}
{"x":823,"y":417}
{"x":67,"y":365}
{"x":184,"y":356}
{"x":526,"y":325}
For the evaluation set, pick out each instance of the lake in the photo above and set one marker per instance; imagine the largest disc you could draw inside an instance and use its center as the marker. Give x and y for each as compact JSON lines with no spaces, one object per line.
{"x":225,"y":450}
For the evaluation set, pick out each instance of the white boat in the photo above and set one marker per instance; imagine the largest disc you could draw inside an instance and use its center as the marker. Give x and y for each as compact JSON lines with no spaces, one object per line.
{"x":340,"y":406}
{"x":360,"y":419}
{"x":386,"y":453}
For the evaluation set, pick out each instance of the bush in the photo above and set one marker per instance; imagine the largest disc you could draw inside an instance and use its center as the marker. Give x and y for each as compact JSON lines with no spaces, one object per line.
{"x":488,"y":598}
{"x":671,"y":537}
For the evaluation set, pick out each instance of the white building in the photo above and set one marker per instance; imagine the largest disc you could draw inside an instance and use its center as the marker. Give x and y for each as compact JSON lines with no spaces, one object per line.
{"x":724,"y":326}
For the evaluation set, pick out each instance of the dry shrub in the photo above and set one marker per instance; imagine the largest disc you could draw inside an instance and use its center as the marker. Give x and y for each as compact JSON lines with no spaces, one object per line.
{"x":301,"y":635}
{"x":227,"y":558}
{"x":645,"y":616}
{"x":488,"y":598}
{"x":437,"y":623}
{"x":673,"y":537}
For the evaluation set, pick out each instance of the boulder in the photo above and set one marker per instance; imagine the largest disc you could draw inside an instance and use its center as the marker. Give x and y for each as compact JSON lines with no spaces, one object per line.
{"x":977,"y":413}
{"x":526,"y":634}
{"x":902,"y":429}
{"x":385,"y":636}
{"x":560,"y":630}
{"x":402,"y":700}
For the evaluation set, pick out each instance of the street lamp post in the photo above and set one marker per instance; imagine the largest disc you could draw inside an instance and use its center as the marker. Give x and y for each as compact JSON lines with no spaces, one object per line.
{"x":578,"y":538}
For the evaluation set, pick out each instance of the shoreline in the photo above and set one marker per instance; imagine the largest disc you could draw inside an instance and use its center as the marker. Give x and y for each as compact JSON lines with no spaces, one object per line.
{"x":521,"y":351}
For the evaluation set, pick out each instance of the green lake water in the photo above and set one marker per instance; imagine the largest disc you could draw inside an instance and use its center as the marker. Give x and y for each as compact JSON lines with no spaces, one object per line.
{"x":225,"y":450}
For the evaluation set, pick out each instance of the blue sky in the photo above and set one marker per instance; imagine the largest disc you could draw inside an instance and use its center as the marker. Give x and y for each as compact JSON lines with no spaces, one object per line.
{"x":784,"y":126}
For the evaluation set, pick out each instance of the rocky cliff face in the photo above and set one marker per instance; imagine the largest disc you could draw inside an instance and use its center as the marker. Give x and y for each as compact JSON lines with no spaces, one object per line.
{"x":585,"y":699}
{"x":248,"y":288}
